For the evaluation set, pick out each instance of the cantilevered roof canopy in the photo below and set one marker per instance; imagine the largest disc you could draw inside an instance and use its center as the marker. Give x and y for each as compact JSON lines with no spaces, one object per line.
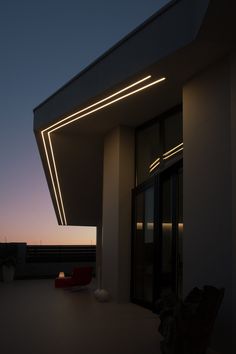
{"x":125,"y":86}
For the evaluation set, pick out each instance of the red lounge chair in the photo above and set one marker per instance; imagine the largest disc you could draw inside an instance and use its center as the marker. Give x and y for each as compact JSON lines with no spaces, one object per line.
{"x":80,"y":276}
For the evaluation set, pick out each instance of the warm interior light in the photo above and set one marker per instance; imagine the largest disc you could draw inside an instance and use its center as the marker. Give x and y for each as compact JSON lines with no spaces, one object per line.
{"x":74,"y":117}
{"x":165,"y":225}
{"x":150,"y":226}
{"x":139,"y":225}
{"x":168,"y":226}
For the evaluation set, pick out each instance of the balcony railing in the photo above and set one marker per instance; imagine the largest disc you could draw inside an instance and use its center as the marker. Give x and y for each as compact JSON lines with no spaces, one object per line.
{"x":48,"y":254}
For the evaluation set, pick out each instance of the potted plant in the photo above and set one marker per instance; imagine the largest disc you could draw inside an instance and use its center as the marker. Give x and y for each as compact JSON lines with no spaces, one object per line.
{"x":8,"y":267}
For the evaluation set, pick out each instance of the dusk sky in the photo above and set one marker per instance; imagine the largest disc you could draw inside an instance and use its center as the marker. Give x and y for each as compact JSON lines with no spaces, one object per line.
{"x":43,"y":45}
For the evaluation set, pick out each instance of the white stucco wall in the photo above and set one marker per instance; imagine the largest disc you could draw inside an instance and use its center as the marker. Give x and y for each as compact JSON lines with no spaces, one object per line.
{"x":207,"y":191}
{"x":118,"y":180}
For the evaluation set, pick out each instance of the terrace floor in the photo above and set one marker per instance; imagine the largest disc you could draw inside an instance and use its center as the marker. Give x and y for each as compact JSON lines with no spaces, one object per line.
{"x":36,"y":318}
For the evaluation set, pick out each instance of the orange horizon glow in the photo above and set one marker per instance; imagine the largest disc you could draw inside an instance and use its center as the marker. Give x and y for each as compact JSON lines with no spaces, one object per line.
{"x":52,"y":235}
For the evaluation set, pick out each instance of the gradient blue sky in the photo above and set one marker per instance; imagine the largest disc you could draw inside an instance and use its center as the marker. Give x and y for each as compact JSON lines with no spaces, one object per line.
{"x":43,"y":45}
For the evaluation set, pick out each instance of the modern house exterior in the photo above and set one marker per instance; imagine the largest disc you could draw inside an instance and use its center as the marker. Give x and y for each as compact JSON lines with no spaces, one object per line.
{"x":141,"y":143}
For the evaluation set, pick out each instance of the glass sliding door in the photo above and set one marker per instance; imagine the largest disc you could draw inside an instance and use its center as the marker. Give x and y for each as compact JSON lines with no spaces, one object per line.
{"x":158,"y":236}
{"x":167,"y":244}
{"x":179,"y":265}
{"x":157,"y":222}
{"x":143,"y":245}
{"x":171,"y":236}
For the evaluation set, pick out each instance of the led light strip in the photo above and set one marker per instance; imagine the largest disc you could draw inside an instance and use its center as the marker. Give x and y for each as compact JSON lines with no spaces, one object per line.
{"x":67,"y":118}
{"x":108,"y":104}
{"x":173,"y":153}
{"x":57,"y":179}
{"x":154,"y":162}
{"x":169,"y":225}
{"x":70,"y":119}
{"x":165,"y":156}
{"x":98,"y":102}
{"x":169,"y":152}
{"x":153,"y":167}
{"x":51,"y":176}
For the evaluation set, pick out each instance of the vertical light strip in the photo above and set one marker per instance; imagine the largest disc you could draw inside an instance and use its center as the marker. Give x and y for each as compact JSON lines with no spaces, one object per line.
{"x":57,"y":179}
{"x":51,"y":176}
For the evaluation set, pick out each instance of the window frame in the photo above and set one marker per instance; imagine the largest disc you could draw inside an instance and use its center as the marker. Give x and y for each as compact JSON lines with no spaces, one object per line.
{"x":161,"y":120}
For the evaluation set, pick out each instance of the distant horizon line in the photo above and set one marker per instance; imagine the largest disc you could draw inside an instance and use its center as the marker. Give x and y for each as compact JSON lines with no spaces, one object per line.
{"x":50,"y":244}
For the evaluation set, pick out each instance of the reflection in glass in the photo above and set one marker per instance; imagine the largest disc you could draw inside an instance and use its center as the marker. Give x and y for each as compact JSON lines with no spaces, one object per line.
{"x":143,"y":245}
{"x":158,"y":144}
{"x":180,"y":235}
{"x":147,"y":151}
{"x":166,"y":268}
{"x":173,"y":131}
{"x":174,"y":151}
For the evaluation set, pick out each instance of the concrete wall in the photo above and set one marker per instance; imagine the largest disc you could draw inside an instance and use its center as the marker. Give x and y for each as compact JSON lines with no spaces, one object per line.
{"x":207,"y":191}
{"x":118,"y":180}
{"x":233,"y":156}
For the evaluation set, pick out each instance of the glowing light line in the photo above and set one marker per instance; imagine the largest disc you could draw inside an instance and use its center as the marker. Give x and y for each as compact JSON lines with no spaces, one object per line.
{"x":57,"y":179}
{"x":176,"y":147}
{"x":139,"y":225}
{"x":153,"y":167}
{"x":98,"y":102}
{"x":51,"y":176}
{"x":173,"y":153}
{"x":169,"y":225}
{"x":109,"y":103}
{"x":60,"y":124}
{"x":154,"y":162}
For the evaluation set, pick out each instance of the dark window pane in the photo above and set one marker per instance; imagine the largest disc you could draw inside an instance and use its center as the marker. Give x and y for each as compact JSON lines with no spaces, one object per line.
{"x":147,"y":151}
{"x":143,"y":245}
{"x":180,"y":234}
{"x":166,"y":269}
{"x":173,"y":131}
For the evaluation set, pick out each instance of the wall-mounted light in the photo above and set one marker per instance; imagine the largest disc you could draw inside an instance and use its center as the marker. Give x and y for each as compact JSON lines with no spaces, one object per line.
{"x":139,"y":226}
